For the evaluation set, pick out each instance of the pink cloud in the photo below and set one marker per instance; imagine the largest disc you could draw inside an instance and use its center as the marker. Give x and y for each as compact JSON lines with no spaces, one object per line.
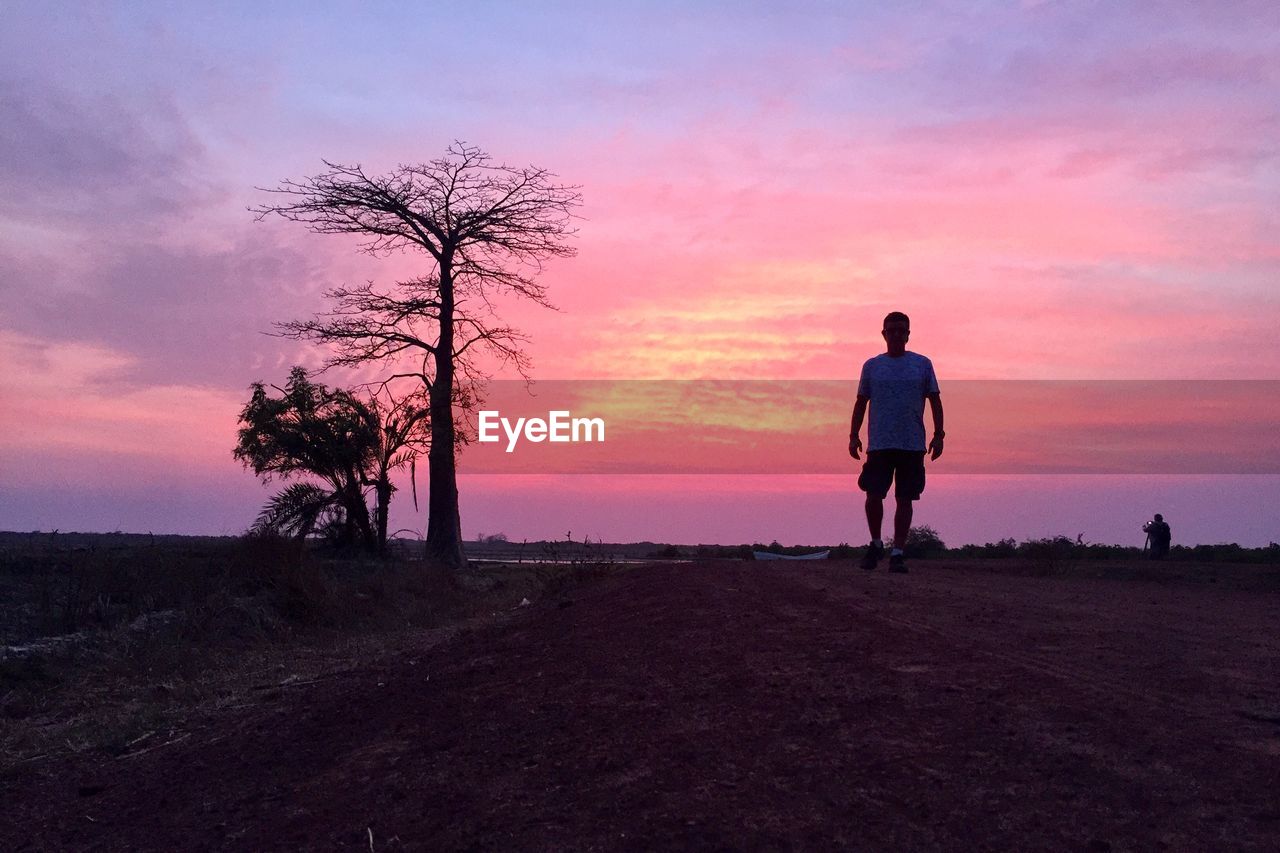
{"x":61,"y":402}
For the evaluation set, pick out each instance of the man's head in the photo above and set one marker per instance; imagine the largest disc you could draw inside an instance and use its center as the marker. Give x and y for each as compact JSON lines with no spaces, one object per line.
{"x":896,"y":331}
{"x":1159,"y":517}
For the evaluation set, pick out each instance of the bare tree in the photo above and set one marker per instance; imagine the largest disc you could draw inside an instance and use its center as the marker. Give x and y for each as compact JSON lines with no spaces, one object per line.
{"x":487,"y":229}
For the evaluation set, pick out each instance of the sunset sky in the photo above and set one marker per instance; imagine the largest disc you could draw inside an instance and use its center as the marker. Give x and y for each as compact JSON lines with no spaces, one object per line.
{"x":1052,"y":191}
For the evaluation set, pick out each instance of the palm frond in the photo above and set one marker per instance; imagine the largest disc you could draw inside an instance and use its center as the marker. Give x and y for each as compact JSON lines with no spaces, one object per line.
{"x":295,"y":510}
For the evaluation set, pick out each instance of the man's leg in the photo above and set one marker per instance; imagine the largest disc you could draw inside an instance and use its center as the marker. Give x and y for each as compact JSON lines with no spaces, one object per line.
{"x":909,"y":481}
{"x":874,"y":480}
{"x":902,"y":523}
{"x":875,"y":516}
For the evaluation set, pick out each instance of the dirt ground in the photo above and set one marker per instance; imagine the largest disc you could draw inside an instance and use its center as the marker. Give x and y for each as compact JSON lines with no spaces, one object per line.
{"x":736,"y":706}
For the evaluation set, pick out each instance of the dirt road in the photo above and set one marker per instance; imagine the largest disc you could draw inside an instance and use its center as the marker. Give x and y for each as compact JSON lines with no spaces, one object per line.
{"x":736,"y":706}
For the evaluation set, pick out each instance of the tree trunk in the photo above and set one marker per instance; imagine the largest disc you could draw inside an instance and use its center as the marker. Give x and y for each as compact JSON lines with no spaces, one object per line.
{"x":384,"y":501}
{"x":358,"y":517}
{"x":444,"y":526}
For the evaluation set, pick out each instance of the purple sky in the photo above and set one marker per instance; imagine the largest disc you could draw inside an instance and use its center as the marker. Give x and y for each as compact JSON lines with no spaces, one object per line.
{"x":1052,"y":191}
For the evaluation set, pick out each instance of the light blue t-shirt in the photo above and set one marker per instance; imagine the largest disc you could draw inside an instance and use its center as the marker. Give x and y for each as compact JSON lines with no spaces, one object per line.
{"x":897,"y":388}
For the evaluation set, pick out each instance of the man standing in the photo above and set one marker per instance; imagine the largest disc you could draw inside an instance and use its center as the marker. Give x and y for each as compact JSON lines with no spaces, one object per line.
{"x":896,"y":385}
{"x":1159,"y":534}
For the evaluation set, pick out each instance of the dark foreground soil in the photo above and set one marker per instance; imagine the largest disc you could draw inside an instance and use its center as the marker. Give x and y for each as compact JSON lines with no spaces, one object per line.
{"x":736,"y":706}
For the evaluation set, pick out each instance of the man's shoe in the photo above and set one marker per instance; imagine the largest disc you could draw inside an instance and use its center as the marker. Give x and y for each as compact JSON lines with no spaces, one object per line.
{"x":898,"y":563}
{"x":871,"y":556}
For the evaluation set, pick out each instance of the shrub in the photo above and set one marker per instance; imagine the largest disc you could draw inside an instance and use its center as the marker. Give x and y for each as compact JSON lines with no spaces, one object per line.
{"x":1054,"y":554}
{"x":923,"y":541}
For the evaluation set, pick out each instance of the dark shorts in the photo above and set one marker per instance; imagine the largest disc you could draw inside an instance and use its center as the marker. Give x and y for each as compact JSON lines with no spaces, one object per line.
{"x":903,"y":468}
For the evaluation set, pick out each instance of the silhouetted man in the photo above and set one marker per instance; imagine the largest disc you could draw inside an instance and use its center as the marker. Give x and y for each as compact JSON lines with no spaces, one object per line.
{"x":1159,"y":535}
{"x":895,"y":385}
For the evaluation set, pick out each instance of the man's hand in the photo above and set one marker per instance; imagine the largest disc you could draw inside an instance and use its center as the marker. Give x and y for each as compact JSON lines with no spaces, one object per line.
{"x":855,"y":444}
{"x":935,"y":447}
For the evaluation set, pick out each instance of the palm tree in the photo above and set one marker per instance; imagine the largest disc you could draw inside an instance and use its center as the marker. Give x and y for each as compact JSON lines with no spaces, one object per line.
{"x":401,"y":430}
{"x":347,"y":443}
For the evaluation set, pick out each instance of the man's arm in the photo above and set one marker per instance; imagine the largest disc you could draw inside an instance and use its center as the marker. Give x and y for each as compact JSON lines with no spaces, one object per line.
{"x":935,"y":408}
{"x":855,"y":426}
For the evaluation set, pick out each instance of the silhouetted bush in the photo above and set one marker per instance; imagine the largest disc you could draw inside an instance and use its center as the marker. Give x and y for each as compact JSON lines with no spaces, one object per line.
{"x":923,"y":541}
{"x":1054,"y":554}
{"x":1000,"y":550}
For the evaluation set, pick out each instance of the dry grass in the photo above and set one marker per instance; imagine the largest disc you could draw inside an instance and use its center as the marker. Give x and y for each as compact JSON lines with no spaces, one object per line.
{"x":237,"y":620}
